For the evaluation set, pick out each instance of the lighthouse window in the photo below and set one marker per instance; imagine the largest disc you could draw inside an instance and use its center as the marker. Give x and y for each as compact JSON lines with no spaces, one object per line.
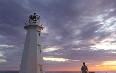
{"x":40,"y":67}
{"x":40,"y":50}
{"x":39,"y":34}
{"x":38,"y":45}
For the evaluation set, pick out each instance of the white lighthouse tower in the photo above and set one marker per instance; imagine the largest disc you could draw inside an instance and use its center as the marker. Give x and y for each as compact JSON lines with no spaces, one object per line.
{"x":32,"y":59}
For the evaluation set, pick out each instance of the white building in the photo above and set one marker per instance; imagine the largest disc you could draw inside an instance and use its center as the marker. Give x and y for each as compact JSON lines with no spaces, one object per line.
{"x":32,"y":59}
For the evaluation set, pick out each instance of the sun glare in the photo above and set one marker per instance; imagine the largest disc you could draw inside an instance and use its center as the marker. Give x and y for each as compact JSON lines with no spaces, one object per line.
{"x":55,"y":59}
{"x":3,"y":60}
{"x":51,"y":49}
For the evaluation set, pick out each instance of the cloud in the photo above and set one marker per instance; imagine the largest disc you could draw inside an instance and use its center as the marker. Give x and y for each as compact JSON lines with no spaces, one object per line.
{"x":5,"y":46}
{"x":1,"y":54}
{"x":72,"y":26}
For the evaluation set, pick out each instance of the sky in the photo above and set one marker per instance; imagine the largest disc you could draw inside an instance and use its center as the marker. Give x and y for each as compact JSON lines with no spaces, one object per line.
{"x":75,"y":31}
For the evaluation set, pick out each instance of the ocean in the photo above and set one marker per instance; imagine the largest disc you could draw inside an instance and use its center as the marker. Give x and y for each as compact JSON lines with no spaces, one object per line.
{"x":59,"y":72}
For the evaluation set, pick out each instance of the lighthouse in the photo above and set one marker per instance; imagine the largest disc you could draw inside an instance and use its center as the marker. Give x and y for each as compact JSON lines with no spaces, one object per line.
{"x":32,"y":59}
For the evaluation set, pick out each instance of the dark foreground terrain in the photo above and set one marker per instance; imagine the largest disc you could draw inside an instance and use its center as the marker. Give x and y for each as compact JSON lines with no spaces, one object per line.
{"x":58,"y":72}
{"x":9,"y":71}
